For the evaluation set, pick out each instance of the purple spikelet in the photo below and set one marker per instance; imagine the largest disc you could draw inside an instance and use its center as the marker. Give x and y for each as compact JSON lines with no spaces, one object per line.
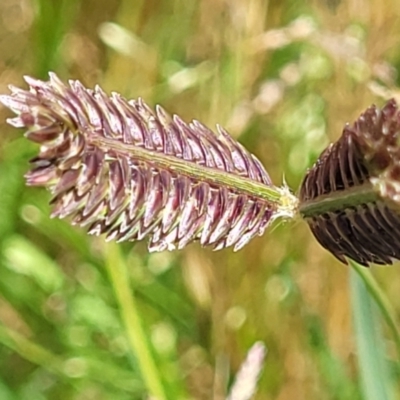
{"x":351,"y":196}
{"x":124,"y":170}
{"x":245,"y":384}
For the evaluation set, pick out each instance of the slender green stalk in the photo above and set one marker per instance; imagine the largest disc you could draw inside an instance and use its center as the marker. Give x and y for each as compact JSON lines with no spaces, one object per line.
{"x":381,"y":300}
{"x":36,"y":354}
{"x":373,"y":369}
{"x":130,"y":315}
{"x":212,"y":175}
{"x":30,"y":351}
{"x":339,"y":200}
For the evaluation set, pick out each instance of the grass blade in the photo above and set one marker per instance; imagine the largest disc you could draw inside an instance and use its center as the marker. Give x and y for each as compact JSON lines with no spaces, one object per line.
{"x":374,"y":373}
{"x":381,"y":300}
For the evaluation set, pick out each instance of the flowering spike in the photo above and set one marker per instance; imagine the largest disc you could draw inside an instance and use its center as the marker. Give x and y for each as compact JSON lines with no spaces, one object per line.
{"x":121,"y":169}
{"x":351,"y":196}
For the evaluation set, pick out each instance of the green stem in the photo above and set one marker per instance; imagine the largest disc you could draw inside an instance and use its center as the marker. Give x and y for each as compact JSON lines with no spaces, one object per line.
{"x":339,"y":200}
{"x":30,"y":351}
{"x":36,"y":354}
{"x":130,"y":315}
{"x":380,"y":298}
{"x":247,"y":186}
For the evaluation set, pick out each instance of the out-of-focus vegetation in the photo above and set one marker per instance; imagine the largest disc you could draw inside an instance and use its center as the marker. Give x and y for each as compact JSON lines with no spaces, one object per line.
{"x":283,"y":77}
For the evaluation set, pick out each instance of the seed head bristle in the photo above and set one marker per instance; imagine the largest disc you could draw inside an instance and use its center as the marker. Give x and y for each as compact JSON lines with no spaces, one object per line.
{"x":123,"y":170}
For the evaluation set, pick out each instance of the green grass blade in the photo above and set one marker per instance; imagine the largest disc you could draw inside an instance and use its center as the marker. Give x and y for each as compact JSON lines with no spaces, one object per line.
{"x":381,"y":300}
{"x":51,"y":24}
{"x":374,"y":373}
{"x":331,"y":369}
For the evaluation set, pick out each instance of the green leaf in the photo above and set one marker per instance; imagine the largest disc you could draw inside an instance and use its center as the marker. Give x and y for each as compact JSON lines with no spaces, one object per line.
{"x":373,"y":368}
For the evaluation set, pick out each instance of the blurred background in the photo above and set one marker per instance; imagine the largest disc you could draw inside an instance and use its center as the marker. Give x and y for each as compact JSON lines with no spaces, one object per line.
{"x":283,"y":77}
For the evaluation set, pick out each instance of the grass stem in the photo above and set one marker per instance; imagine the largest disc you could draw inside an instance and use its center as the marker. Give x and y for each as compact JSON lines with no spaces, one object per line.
{"x":138,"y":340}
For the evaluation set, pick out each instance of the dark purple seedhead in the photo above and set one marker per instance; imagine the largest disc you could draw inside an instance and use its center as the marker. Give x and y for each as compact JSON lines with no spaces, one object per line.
{"x":351,"y":196}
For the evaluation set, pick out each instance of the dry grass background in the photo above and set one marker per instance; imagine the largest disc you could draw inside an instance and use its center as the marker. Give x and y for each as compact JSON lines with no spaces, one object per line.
{"x":283,"y":77}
